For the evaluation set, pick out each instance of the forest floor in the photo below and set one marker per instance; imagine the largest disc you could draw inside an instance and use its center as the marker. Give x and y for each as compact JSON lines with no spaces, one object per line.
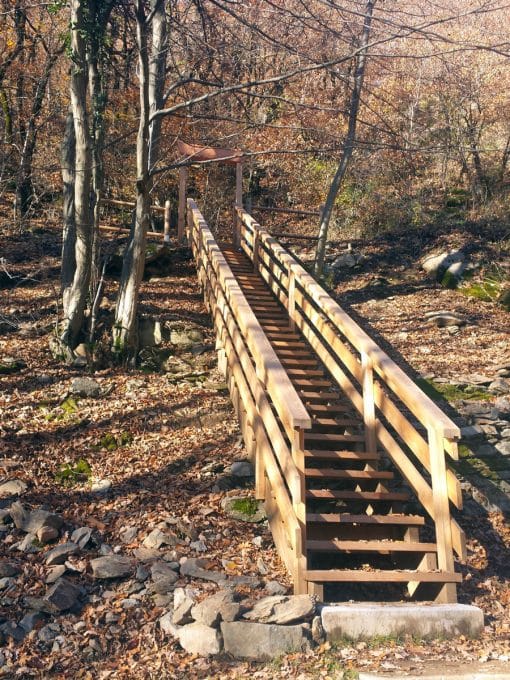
{"x":158,"y":446}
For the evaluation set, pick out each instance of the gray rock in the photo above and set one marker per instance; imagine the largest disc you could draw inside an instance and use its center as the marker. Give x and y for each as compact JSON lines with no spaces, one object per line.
{"x":262,"y":642}
{"x":60,"y":553}
{"x":49,"y":633}
{"x":10,"y":629}
{"x":438,"y":264}
{"x":195,"y":568}
{"x":8,"y":568}
{"x":7,"y":582}
{"x":29,"y":544}
{"x":32,"y":521}
{"x":344,"y":261}
{"x":242,"y":468}
{"x":502,"y":407}
{"x":128,"y":534}
{"x":105,"y":549}
{"x":61,"y":596}
{"x":241,"y":580}
{"x":167,"y":625}
{"x":234,"y":507}
{"x":12,"y":487}
{"x":182,"y":612}
{"x":219,"y":607}
{"x":146,"y":554}
{"x":142,"y":573}
{"x":55,"y":573}
{"x":499,"y":386}
{"x":157,"y":538}
{"x":111,"y":566}
{"x":504,"y":448}
{"x":81,"y":536}
{"x":442,"y":319}
{"x":101,"y":486}
{"x":198,"y":546}
{"x":196,"y":638}
{"x":164,"y":577}
{"x":85,"y":387}
{"x":275,"y":588}
{"x":46,"y":534}
{"x":186,"y":337}
{"x":282,"y":609}
{"x":30,"y":621}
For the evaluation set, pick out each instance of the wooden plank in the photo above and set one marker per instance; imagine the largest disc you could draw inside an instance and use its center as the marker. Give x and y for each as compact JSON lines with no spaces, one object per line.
{"x":341,"y":455}
{"x":183,"y":183}
{"x":345,"y":518}
{"x":371,"y":496}
{"x":370,"y":546}
{"x":329,"y":437}
{"x":329,"y":473}
{"x":278,"y":530}
{"x":389,"y":576}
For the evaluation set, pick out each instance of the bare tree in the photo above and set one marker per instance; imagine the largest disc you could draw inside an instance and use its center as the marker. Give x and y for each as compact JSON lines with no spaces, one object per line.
{"x":350,"y":139}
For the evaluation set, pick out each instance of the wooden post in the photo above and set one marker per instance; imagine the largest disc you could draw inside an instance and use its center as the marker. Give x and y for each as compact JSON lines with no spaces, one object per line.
{"x":256,"y":245}
{"x":368,"y":403}
{"x":298,"y":501}
{"x":292,"y":298}
{"x":239,"y":185}
{"x":166,"y":233}
{"x":183,"y":183}
{"x":442,"y":518}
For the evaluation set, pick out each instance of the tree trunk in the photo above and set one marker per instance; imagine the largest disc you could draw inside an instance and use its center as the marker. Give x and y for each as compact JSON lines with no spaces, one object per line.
{"x":157,"y":76}
{"x":67,"y":161}
{"x":24,"y":185}
{"x":75,"y":296}
{"x":125,"y":332}
{"x":350,"y":140}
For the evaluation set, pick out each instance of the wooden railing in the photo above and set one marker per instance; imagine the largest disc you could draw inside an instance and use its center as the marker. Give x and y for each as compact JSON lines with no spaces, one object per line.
{"x":416,"y":435}
{"x":256,"y":379}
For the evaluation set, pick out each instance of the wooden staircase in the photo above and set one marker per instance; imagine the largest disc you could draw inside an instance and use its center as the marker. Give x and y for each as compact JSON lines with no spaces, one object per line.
{"x":355,"y":495}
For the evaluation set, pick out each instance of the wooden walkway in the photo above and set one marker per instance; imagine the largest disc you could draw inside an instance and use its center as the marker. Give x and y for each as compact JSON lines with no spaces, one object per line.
{"x":350,"y":456}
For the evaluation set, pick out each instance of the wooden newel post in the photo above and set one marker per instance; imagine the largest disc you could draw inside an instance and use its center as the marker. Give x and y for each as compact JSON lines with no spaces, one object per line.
{"x":166,"y":232}
{"x":369,"y":404}
{"x":181,"y":220}
{"x":442,"y":518}
{"x":239,"y":185}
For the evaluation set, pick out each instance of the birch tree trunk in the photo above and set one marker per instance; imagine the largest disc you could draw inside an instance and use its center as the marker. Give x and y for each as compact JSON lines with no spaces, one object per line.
{"x":157,"y":76}
{"x":75,"y":294}
{"x":125,"y":331}
{"x":67,"y":161}
{"x":350,"y":140}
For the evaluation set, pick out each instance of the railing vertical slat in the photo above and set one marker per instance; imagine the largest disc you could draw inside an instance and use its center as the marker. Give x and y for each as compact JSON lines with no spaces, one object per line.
{"x":368,"y":404}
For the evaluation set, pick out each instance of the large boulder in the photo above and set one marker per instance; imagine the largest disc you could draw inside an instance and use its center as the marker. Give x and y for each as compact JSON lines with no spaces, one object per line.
{"x":262,"y":642}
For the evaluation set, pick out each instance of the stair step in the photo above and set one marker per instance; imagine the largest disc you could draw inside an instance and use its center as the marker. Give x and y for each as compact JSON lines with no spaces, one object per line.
{"x":318,"y":396}
{"x":287,"y":361}
{"x":305,"y":382}
{"x":329,"y":473}
{"x":317,"y":454}
{"x":330,"y":437}
{"x":387,"y":576}
{"x":370,"y":546}
{"x":305,"y":372}
{"x":335,"y":422}
{"x":330,"y":409}
{"x":369,"y":496}
{"x":346,"y":518}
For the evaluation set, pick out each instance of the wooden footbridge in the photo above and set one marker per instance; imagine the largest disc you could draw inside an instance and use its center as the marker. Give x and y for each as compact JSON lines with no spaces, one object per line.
{"x":351,"y":457}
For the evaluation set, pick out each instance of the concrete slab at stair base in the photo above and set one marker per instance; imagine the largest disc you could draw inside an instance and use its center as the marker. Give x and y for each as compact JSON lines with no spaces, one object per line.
{"x":362,"y":621}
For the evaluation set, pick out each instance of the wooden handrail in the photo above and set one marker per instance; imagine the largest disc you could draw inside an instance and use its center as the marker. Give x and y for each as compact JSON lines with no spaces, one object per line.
{"x":270,"y":371}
